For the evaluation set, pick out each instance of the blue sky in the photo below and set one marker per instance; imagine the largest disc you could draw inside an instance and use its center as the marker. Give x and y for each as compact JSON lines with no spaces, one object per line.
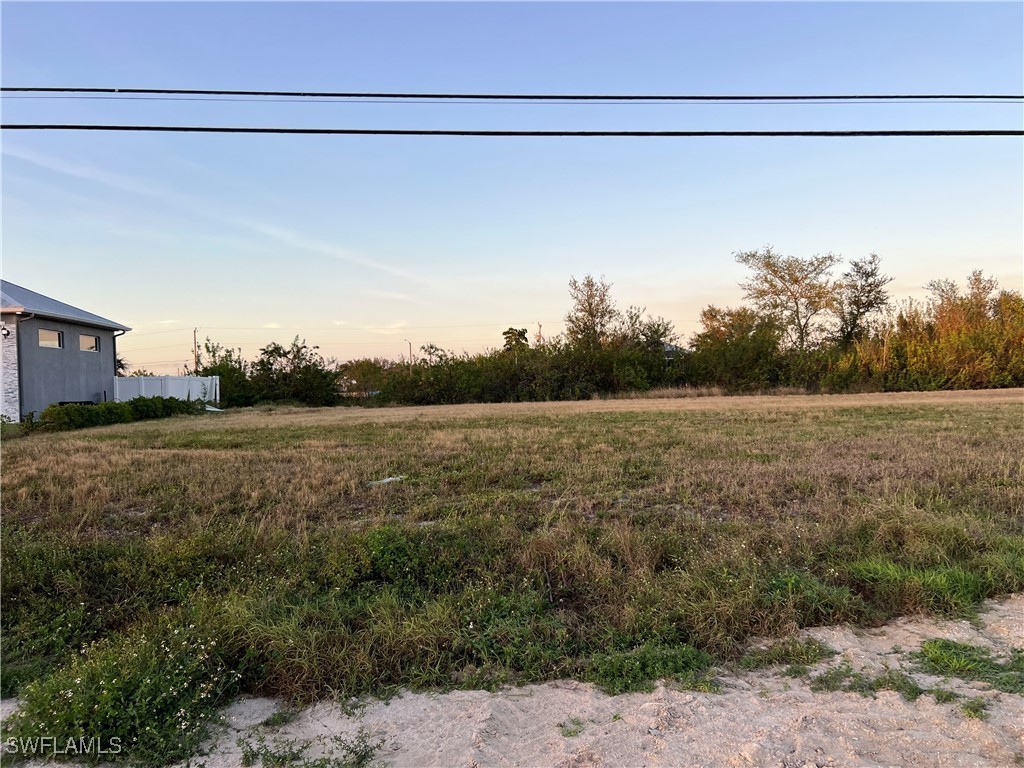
{"x":357,"y":243}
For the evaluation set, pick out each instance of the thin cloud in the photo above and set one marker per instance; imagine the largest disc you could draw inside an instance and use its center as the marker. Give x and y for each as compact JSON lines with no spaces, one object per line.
{"x":405,"y":298}
{"x":288,"y":237}
{"x":81,"y":170}
{"x":388,"y":295}
{"x":389,"y":330}
{"x":299,"y":241}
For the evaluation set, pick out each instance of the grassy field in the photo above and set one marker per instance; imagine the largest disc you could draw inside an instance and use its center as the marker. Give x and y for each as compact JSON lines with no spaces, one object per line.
{"x":153,"y":570}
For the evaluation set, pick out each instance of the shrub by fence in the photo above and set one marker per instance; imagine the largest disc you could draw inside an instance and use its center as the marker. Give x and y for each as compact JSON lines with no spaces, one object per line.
{"x":57,"y":418}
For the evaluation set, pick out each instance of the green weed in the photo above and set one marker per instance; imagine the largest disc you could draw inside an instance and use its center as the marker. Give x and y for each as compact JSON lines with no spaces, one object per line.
{"x":338,"y":752}
{"x":280,"y":718}
{"x":792,"y":651}
{"x":842,"y":677}
{"x":154,"y":690}
{"x":833,"y":679}
{"x":636,"y":669}
{"x":283,"y":752}
{"x":967,"y":662}
{"x":975,"y":708}
{"x":572,"y":727}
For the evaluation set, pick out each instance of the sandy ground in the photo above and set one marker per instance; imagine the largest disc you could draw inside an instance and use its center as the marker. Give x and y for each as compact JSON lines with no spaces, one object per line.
{"x":758,"y":719}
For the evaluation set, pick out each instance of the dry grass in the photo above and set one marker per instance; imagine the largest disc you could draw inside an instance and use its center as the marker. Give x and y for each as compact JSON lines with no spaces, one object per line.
{"x":614,"y":541}
{"x":662,"y":393}
{"x":713,"y":458}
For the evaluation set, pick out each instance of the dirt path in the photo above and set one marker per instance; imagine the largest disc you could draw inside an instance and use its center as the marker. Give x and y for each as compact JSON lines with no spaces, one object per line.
{"x":758,"y":719}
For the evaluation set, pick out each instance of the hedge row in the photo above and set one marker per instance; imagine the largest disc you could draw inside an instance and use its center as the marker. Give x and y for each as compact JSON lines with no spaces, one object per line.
{"x":56,"y":418}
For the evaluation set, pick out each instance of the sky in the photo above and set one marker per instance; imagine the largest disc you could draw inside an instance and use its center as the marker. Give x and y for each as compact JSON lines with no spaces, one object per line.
{"x":365,"y":244}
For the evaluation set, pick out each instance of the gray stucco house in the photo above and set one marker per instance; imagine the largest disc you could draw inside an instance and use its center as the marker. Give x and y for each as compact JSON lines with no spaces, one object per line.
{"x":53,"y":352}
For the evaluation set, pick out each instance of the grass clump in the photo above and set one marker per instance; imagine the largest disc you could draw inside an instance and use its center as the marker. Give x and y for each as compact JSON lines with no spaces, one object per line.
{"x":890,"y":680}
{"x":637,"y":669}
{"x":842,"y":677}
{"x":832,"y":680}
{"x":949,"y":658}
{"x":338,"y":752}
{"x":572,"y":727}
{"x":946,"y":589}
{"x":792,"y":651}
{"x":283,"y":752}
{"x":280,"y":718}
{"x":975,"y":708}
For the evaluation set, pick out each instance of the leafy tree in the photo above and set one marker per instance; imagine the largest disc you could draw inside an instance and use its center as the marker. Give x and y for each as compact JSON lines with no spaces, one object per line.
{"x":975,"y":337}
{"x":236,"y":390}
{"x":738,"y":349}
{"x":859,"y":294}
{"x":435,"y":354}
{"x":515,"y":338}
{"x":593,"y":316}
{"x":645,"y":332}
{"x":970,"y":308}
{"x":364,"y":377}
{"x":297,"y":372}
{"x":797,"y":292}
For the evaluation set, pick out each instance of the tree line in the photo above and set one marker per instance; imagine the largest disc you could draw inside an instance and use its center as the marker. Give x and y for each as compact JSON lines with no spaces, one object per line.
{"x":801,"y":326}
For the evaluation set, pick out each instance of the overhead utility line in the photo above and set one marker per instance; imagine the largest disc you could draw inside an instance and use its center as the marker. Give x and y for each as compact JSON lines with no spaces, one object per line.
{"x":417,"y":132}
{"x":509,"y":102}
{"x":516,"y":96}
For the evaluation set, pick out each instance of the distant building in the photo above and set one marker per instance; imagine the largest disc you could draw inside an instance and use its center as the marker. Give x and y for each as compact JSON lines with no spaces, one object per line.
{"x":53,"y":352}
{"x":672,"y":351}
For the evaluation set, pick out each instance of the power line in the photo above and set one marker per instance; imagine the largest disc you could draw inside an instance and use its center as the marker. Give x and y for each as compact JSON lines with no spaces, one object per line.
{"x":632,"y":102}
{"x":511,"y":96}
{"x":128,"y":350}
{"x":312,"y":329}
{"x":400,"y":329}
{"x":486,"y":133}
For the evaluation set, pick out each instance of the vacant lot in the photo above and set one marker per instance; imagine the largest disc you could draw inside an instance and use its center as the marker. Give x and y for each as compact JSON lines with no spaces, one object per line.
{"x":610,"y":541}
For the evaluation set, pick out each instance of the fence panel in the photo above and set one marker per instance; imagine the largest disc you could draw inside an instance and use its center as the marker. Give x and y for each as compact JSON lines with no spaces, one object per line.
{"x":182,"y":387}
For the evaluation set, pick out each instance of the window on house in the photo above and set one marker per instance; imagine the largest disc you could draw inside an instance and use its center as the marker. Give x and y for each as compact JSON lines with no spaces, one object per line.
{"x":88,"y":343}
{"x":48,"y":338}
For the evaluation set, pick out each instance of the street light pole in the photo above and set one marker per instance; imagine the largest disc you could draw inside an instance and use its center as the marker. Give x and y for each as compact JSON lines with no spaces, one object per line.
{"x":410,"y":353}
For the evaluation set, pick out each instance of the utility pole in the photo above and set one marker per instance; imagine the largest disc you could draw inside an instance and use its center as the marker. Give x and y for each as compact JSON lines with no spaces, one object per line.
{"x":195,"y":349}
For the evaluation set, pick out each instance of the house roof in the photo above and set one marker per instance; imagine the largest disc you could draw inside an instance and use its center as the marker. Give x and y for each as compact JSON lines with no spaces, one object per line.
{"x":14,"y":298}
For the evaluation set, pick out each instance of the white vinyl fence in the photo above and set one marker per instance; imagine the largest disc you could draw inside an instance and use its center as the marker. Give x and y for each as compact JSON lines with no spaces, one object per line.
{"x":205,"y":388}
